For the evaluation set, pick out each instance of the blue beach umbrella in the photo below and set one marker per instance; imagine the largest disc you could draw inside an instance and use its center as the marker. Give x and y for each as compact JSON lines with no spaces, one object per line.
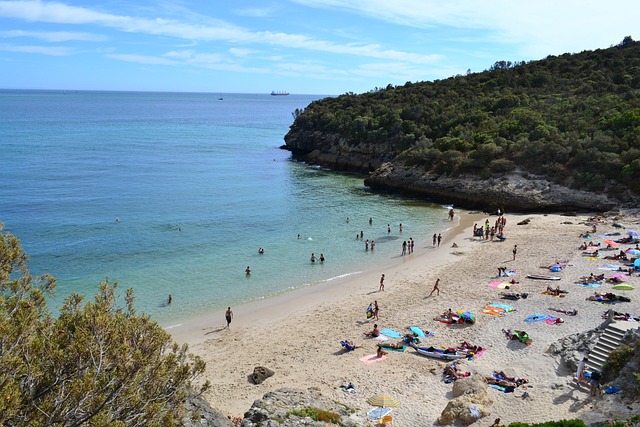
{"x":633,"y":233}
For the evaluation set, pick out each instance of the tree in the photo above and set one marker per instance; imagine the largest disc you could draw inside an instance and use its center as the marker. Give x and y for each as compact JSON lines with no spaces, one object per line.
{"x":97,"y":364}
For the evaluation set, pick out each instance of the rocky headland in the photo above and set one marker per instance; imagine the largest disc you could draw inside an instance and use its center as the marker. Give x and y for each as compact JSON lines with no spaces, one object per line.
{"x":517,"y":191}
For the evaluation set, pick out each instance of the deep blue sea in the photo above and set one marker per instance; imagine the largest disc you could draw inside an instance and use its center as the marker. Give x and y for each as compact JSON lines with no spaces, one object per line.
{"x":173,"y":193}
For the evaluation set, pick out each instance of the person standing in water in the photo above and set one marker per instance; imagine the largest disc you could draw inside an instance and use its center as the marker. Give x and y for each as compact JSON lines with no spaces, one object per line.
{"x":247,"y":271}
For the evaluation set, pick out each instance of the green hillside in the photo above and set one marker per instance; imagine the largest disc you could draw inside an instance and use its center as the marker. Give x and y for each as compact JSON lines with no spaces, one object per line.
{"x":573,"y":118}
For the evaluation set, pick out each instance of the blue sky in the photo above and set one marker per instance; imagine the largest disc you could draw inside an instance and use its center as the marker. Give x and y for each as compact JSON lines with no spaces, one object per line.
{"x":300,"y":46}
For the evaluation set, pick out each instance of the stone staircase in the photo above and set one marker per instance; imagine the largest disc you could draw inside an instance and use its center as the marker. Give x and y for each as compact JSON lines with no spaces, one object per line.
{"x":610,"y":339}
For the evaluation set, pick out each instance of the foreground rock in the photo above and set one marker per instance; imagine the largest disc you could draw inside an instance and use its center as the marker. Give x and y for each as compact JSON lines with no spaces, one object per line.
{"x":286,"y":408}
{"x":200,"y":414}
{"x":470,"y":402}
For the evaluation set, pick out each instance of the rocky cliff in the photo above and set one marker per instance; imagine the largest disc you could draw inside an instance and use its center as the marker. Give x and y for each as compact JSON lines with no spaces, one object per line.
{"x":515,"y":191}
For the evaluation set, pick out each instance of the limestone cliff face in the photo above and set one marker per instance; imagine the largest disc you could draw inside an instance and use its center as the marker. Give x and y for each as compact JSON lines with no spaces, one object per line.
{"x":514,"y":192}
{"x":335,"y":152}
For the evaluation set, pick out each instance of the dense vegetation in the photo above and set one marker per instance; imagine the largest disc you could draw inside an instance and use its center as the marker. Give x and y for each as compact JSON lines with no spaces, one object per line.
{"x":574,"y":118}
{"x":97,"y":364}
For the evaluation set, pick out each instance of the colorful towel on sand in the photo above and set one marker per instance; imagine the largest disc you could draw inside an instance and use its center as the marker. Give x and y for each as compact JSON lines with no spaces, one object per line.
{"x":416,"y":330}
{"x":498,"y":284}
{"x":399,"y":350}
{"x":553,"y":320}
{"x":494,"y":311}
{"x":590,"y":285}
{"x":391,"y":333}
{"x":505,"y":307}
{"x":372,"y":358}
{"x":536,"y":318}
{"x":499,"y":387}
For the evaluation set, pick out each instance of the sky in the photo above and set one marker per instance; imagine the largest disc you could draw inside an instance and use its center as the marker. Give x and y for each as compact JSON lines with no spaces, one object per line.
{"x":325,"y":47}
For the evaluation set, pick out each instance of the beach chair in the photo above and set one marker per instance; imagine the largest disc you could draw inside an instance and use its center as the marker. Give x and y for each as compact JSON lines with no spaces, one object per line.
{"x":386,"y":421}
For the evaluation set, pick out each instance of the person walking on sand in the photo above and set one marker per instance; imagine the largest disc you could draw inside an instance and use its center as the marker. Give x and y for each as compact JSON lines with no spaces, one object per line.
{"x":376,"y":309}
{"x":515,"y":250}
{"x":434,"y":239}
{"x":439,"y":239}
{"x":381,"y":284}
{"x":228,"y":315}
{"x":436,"y":288}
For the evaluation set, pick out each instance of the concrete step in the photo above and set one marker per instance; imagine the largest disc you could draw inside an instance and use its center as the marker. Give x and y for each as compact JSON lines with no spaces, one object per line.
{"x":598,"y":353}
{"x":607,"y":345}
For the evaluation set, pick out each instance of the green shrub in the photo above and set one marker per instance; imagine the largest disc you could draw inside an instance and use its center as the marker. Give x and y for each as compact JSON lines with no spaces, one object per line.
{"x":616,"y":361}
{"x":316,"y":414}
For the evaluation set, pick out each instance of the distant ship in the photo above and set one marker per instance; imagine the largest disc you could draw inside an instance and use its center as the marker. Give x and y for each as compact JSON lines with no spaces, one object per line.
{"x":275,"y":93}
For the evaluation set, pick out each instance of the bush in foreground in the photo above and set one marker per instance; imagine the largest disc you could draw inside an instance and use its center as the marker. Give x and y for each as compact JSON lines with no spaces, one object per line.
{"x":97,"y":364}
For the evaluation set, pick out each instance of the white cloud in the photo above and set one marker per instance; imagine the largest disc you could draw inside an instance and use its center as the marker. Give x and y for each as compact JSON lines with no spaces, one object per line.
{"x":53,"y":36}
{"x":64,"y":14}
{"x":536,"y":28}
{"x":142,"y":59}
{"x":235,"y":51}
{"x":255,"y":12}
{"x":42,"y":50}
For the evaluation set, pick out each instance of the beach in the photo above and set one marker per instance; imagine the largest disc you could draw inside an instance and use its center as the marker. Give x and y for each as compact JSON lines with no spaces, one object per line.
{"x":298,"y":334}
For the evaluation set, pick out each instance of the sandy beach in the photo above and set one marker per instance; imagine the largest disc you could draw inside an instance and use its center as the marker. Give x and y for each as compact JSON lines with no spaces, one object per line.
{"x":298,"y":334}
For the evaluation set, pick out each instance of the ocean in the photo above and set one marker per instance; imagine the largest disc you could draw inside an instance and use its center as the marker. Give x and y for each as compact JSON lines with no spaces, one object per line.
{"x":174,"y":193}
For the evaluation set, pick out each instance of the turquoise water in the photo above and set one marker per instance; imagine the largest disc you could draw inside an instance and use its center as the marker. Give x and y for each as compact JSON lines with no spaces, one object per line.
{"x":198,"y":185}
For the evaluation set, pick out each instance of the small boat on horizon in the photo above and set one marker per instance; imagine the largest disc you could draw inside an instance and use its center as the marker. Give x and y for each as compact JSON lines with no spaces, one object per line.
{"x":277,"y":93}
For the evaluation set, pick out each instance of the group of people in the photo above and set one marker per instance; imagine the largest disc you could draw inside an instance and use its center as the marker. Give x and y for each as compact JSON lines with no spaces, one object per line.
{"x":488,"y":232}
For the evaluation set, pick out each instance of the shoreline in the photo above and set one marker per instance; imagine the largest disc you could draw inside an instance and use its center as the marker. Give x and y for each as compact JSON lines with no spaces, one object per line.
{"x":298,"y":335}
{"x":198,"y":329}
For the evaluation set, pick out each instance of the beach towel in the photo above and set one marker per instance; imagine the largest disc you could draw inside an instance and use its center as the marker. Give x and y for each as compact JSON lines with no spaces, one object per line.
{"x":536,"y":318}
{"x":590,"y":285}
{"x":499,"y":387}
{"x":553,"y":320}
{"x":391,"y":333}
{"x":382,"y":337}
{"x":505,"y":307}
{"x":419,"y":332}
{"x":498,"y":285}
{"x":479,"y":353}
{"x":372,"y":358}
{"x":399,"y":350}
{"x":494,"y":311}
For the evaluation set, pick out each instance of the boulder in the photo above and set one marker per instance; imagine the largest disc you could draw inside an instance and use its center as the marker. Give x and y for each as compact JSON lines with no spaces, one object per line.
{"x":200,"y":414}
{"x":260,"y":373}
{"x":469,"y":403}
